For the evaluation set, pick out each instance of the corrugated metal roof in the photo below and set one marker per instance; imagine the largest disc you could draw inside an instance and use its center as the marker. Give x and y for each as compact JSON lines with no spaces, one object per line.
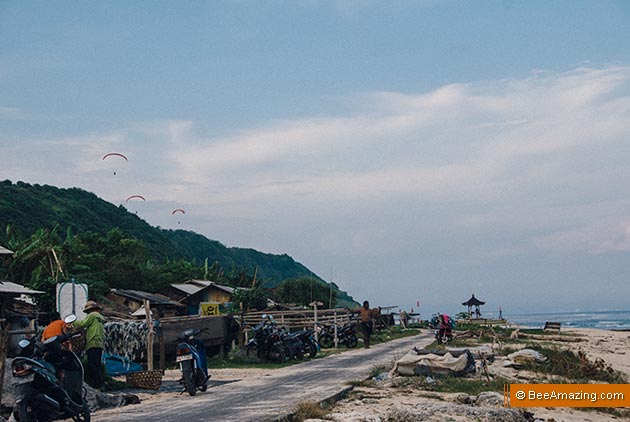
{"x":189,"y":289}
{"x":153,"y":298}
{"x":192,"y":287}
{"x":8,"y":287}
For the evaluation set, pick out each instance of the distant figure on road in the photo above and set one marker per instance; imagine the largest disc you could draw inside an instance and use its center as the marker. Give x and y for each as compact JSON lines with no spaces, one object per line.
{"x":404,"y":319}
{"x":366,"y":322}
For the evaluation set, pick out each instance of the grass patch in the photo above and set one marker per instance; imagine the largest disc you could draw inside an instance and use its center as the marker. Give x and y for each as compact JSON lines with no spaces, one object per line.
{"x":362,"y":383}
{"x":575,"y":366}
{"x":391,"y":333}
{"x":450,"y":384}
{"x":238,"y":359}
{"x":376,"y":370}
{"x":308,"y":410}
{"x":111,"y":384}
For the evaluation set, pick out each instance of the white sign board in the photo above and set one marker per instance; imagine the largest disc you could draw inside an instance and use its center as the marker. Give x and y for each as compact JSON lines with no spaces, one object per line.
{"x":71,"y":299}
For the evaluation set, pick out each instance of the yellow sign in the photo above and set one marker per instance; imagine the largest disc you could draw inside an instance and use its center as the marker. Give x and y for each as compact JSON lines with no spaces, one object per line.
{"x":209,"y":308}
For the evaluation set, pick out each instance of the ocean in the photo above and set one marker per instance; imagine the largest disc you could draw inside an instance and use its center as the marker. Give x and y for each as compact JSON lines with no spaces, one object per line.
{"x":606,"y":320}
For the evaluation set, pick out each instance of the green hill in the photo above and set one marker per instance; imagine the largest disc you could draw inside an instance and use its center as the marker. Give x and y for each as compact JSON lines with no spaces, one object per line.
{"x":26,"y":208}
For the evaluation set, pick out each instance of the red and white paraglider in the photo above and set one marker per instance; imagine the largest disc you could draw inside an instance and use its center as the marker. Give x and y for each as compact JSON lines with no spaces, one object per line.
{"x":176,"y":211}
{"x":114,"y":154}
{"x":135,"y":197}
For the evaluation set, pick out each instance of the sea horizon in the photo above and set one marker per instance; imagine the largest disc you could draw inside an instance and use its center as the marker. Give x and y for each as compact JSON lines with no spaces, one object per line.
{"x":605,"y":320}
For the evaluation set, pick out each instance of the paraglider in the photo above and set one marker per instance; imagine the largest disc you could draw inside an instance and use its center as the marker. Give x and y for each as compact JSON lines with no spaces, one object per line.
{"x":135,"y":197}
{"x":114,"y":154}
{"x":178,"y":210}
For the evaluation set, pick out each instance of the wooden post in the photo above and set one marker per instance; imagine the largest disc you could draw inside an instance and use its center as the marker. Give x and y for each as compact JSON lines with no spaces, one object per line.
{"x":335,"y":323}
{"x":314,"y":304}
{"x":4,"y":340}
{"x":162,"y":349}
{"x":315,"y":318}
{"x":147,"y":310}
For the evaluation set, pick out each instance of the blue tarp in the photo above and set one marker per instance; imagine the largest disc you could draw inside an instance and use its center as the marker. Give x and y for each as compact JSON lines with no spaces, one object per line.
{"x":119,"y":365}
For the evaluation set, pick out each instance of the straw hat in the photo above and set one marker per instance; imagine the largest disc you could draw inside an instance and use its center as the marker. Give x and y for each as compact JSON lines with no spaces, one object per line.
{"x":90,"y":305}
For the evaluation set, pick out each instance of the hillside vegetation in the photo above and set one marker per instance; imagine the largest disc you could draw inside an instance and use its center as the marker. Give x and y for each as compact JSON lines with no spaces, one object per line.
{"x":107,"y":246}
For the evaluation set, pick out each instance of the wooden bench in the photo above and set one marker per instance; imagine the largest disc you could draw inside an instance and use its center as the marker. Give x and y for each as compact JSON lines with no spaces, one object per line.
{"x":555,"y":326}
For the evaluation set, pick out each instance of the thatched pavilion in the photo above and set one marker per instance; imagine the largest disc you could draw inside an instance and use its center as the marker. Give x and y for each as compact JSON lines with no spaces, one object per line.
{"x":473,"y":301}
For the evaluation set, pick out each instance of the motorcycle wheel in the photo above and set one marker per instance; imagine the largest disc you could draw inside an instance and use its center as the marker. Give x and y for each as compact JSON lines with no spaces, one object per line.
{"x":189,"y":379}
{"x":83,"y":415}
{"x":311,"y":349}
{"x":298,"y":354}
{"x":279,"y":356}
{"x":326,"y":341}
{"x":352,"y":341}
{"x":23,"y":412}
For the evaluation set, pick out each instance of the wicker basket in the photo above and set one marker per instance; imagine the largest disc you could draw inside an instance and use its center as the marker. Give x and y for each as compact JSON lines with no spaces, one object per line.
{"x":151,"y":380}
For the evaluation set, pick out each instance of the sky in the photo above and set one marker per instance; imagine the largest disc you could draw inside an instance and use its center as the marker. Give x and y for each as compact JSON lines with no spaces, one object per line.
{"x":412,"y":152}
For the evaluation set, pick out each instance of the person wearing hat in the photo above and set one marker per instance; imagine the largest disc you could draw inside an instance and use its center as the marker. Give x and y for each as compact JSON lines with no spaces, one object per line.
{"x":94,"y":335}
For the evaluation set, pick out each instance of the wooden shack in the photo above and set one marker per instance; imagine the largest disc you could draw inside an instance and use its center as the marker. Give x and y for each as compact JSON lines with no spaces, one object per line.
{"x":194,"y":292}
{"x":133,"y":300}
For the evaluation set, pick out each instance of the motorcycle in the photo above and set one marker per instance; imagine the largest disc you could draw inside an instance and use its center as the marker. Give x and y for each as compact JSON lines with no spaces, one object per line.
{"x":192,"y":360}
{"x":267,"y":342}
{"x":293,"y":346}
{"x":49,"y":381}
{"x":310,"y":347}
{"x":443,"y":326}
{"x":346,"y":335}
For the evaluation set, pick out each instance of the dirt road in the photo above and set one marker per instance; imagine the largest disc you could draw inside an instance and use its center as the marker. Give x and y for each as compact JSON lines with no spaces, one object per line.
{"x":270,"y":397}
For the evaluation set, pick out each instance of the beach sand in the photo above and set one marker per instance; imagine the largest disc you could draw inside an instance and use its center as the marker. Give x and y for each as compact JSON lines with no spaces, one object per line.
{"x":384,"y":402}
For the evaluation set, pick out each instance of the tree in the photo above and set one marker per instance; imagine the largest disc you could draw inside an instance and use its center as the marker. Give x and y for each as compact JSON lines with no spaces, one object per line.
{"x":252,"y":299}
{"x":304,"y":290}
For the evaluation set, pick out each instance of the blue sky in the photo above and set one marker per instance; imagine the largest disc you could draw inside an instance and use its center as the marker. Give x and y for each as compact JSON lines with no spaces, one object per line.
{"x":410,"y":150}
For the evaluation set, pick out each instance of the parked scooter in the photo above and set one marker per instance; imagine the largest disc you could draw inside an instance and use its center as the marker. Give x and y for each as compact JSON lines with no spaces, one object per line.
{"x":346,"y":335}
{"x":443,"y":325}
{"x":266,"y":341}
{"x":310,"y":347}
{"x":191,"y":357}
{"x":49,"y":381}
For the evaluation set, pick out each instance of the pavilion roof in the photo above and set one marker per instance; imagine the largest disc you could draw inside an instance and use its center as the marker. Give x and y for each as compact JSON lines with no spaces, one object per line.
{"x":473,"y":301}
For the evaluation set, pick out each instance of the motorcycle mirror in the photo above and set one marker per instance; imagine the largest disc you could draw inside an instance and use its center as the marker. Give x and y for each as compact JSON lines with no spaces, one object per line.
{"x":70,"y":319}
{"x":50,"y":340}
{"x":24,"y":343}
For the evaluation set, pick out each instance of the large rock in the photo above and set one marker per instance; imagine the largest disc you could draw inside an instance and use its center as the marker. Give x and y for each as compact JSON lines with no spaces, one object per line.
{"x":489,"y":399}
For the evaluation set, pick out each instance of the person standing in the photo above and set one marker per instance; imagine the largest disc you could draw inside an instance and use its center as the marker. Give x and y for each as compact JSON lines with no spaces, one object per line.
{"x":365,"y":325}
{"x":94,"y":337}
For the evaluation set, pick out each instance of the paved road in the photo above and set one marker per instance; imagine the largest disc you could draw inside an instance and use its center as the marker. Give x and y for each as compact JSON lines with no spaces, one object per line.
{"x":270,"y":397}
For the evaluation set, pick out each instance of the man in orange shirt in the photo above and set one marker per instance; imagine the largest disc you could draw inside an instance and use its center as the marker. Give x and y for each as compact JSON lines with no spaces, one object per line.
{"x":55,"y":328}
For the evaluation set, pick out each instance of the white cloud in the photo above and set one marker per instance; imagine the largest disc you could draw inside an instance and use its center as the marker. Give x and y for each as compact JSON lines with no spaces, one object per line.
{"x":533,"y":157}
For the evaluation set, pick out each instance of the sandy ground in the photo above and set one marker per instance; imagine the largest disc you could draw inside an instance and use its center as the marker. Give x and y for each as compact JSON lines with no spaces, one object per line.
{"x":386,"y":403}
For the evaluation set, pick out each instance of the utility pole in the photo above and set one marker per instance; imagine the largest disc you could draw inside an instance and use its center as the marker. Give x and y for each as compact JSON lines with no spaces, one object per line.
{"x":331,"y":284}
